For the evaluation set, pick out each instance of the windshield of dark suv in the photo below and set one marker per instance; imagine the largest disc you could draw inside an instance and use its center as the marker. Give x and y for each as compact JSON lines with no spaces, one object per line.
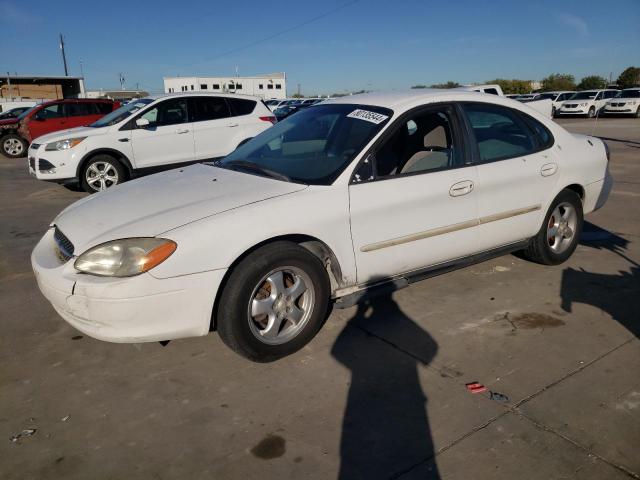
{"x":313,"y":146}
{"x":122,"y":113}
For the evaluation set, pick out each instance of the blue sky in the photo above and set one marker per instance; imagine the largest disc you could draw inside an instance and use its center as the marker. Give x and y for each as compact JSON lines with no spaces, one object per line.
{"x":328,"y":46}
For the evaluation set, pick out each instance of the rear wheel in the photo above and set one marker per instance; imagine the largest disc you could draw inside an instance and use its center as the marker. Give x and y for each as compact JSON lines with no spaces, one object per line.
{"x":638,"y":113}
{"x":100,"y":173}
{"x":13,"y":146}
{"x":559,"y":235}
{"x":274,"y":302}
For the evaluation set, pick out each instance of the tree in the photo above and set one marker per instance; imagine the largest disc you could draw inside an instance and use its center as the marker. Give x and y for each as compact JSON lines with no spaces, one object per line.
{"x":630,"y":77}
{"x":297,"y":95}
{"x":558,"y":81}
{"x":592,"y":82}
{"x":419,"y":86}
{"x":449,"y":84}
{"x":512,"y":86}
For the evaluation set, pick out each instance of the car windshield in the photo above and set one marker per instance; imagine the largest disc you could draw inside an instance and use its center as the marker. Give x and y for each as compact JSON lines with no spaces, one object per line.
{"x":633,"y":93}
{"x":544,"y":96}
{"x":27,"y":112}
{"x":313,"y":146}
{"x":583,"y":95}
{"x":122,"y":113}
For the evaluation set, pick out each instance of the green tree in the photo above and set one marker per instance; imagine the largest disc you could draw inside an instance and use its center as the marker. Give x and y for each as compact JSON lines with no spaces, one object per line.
{"x":512,"y":86}
{"x":630,"y":77}
{"x":592,"y":82}
{"x":419,"y":86}
{"x":297,"y":95}
{"x":558,"y":81}
{"x":448,"y":84}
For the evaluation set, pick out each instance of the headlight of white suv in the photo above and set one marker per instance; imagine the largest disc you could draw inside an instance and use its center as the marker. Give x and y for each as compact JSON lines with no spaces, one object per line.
{"x":65,"y":144}
{"x":126,"y":257}
{"x":584,"y":104}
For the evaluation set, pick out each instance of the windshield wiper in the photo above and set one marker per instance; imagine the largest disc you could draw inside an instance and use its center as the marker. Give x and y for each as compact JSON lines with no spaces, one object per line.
{"x":252,"y":167}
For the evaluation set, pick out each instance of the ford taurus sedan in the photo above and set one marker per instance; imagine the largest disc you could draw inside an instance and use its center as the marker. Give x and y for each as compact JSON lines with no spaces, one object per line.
{"x":347,"y":197}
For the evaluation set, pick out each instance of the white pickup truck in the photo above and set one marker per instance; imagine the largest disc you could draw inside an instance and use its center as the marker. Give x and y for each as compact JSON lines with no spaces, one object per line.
{"x":543,"y":106}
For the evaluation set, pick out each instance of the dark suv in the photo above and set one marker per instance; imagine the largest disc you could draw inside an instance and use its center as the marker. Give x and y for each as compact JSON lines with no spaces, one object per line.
{"x":17,"y":133}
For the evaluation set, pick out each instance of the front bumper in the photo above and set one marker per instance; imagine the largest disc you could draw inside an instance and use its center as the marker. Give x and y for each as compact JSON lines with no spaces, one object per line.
{"x":572,"y":111}
{"x":57,"y":166}
{"x":619,"y":110}
{"x":125,"y":310}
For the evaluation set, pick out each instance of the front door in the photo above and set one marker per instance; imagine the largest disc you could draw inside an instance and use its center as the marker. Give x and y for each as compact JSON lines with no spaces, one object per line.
{"x":417,"y":206}
{"x":167,"y":139}
{"x":46,"y":120}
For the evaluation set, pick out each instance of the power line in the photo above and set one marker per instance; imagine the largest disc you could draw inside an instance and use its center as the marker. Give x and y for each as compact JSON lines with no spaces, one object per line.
{"x":272,"y":36}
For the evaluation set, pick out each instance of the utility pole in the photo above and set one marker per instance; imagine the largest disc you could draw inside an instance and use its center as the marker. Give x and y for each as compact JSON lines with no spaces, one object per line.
{"x":64,"y":58}
{"x":121,"y":77}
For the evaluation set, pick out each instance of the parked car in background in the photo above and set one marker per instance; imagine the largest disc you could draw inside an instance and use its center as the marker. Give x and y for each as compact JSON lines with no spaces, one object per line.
{"x":542,"y":106}
{"x":556,"y":98}
{"x":274,"y":104}
{"x":148,"y":134}
{"x":365,"y":192}
{"x":13,"y":113}
{"x":17,"y":133}
{"x":586,"y":102}
{"x":626,"y":102}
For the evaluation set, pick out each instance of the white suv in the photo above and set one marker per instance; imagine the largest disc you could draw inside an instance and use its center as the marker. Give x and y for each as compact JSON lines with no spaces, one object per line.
{"x":148,"y":134}
{"x":626,"y":102}
{"x":587,"y":102}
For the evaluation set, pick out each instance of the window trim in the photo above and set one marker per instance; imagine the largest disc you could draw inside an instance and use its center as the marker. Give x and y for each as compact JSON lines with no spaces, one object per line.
{"x":473,"y":143}
{"x":394,"y":125}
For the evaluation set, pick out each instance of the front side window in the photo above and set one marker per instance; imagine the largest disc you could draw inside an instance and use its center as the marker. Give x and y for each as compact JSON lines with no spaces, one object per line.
{"x":210,"y":108}
{"x":169,"y":112}
{"x":498,"y":131}
{"x":49,"y":112}
{"x":422,"y":143}
{"x":312,"y":146}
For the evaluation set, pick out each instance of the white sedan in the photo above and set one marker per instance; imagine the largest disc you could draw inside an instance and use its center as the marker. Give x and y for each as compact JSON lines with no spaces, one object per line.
{"x":355,"y":194}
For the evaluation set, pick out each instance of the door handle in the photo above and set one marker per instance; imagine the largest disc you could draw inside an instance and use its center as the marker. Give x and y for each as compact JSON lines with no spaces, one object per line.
{"x":186,"y":130}
{"x":461,"y":188}
{"x":548,"y":169}
{"x":231,"y":125}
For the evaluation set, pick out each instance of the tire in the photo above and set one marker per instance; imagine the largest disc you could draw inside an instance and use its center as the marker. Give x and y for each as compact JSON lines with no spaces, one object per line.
{"x":638,"y":113}
{"x":592,"y":112}
{"x":13,"y":146}
{"x":265,"y":281}
{"x":552,"y":249}
{"x":100,"y":173}
{"x":553,"y":112}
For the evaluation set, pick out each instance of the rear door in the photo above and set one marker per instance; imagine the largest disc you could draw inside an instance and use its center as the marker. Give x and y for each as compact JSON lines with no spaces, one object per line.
{"x":167,"y":139}
{"x":517,"y":170}
{"x":214,"y":130}
{"x":46,"y":120}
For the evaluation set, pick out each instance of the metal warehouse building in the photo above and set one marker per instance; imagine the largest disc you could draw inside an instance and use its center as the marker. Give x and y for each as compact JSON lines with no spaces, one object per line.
{"x":266,"y":86}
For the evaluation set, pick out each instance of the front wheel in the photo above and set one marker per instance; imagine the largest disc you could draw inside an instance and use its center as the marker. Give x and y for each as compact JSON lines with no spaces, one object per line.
{"x":560,"y":232}
{"x":100,"y":173}
{"x":592,"y":112}
{"x":274,"y":302}
{"x":638,"y":113}
{"x":13,"y":146}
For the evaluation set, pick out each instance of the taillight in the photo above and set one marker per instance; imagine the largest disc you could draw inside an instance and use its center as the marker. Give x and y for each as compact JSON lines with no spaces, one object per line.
{"x":270,"y":118}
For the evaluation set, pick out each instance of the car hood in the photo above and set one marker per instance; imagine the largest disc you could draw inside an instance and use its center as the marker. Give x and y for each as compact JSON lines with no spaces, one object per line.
{"x":71,"y":132}
{"x":155,"y":204}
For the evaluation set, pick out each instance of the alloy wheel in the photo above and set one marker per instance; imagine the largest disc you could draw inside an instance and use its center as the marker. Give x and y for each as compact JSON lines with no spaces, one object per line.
{"x":13,"y":146}
{"x":561,"y":227}
{"x":101,"y":175}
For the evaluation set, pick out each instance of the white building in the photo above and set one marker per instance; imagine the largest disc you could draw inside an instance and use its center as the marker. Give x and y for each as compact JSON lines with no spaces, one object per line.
{"x":265,"y":86}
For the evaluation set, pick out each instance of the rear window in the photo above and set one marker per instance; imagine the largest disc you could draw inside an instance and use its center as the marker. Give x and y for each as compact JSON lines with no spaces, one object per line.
{"x":241,"y":106}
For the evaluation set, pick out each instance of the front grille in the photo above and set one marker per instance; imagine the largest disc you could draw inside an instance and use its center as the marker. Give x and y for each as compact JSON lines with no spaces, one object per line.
{"x":32,"y":163}
{"x":571,"y":105}
{"x":619,"y":104}
{"x":65,"y":247}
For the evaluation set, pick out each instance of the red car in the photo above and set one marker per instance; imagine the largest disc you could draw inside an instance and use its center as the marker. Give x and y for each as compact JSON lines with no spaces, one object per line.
{"x":47,"y":117}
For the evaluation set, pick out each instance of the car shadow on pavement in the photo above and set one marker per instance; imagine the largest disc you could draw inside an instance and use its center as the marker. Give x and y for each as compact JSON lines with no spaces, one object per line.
{"x":616,"y":294}
{"x":385,"y":429}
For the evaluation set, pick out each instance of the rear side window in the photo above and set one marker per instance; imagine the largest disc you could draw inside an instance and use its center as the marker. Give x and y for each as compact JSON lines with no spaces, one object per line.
{"x":78,"y":109}
{"x":491,"y":91}
{"x":499,"y":132}
{"x":241,"y":106}
{"x":210,"y":108}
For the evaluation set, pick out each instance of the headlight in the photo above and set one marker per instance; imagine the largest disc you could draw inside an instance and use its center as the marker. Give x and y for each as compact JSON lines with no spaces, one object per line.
{"x":583,"y":104}
{"x":126,"y":257}
{"x":65,"y":144}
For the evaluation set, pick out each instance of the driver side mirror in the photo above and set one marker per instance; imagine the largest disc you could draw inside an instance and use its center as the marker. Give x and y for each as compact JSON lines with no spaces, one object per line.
{"x":142,"y":122}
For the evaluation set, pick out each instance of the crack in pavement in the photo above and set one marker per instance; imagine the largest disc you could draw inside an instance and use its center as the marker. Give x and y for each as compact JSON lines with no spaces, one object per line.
{"x":514,"y":409}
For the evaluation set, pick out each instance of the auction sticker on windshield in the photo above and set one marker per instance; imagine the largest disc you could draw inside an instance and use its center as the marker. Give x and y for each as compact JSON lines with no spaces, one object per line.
{"x":372,"y":117}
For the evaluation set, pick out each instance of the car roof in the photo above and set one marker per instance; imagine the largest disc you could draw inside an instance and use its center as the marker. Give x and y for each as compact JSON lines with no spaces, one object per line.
{"x":202,"y":94}
{"x":406,"y":98}
{"x":75,"y":100}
